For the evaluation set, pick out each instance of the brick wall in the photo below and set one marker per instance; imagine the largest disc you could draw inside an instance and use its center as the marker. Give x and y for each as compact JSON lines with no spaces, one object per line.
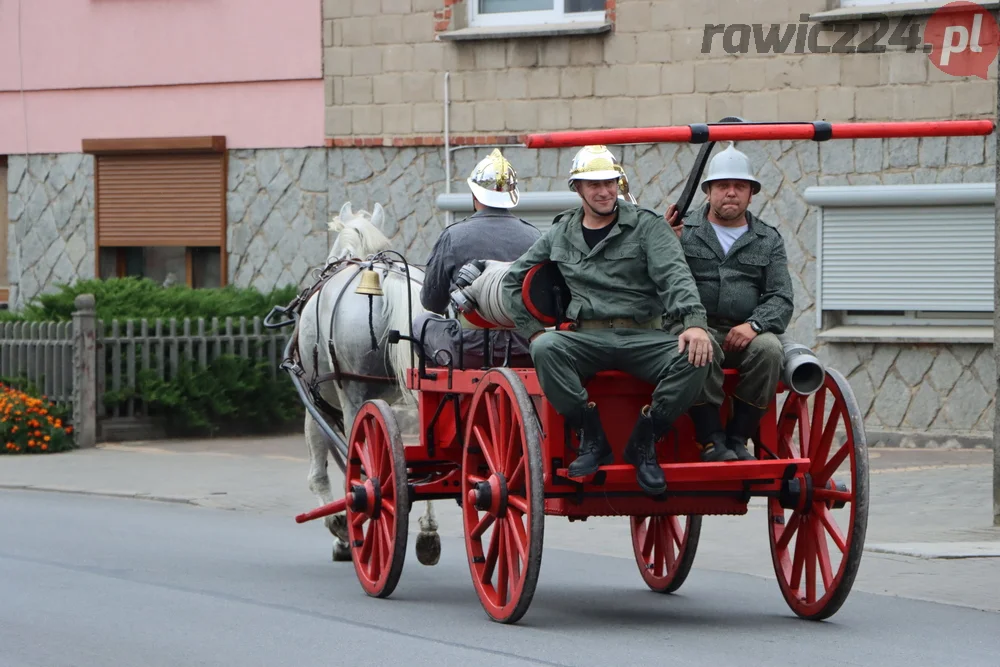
{"x":384,"y":73}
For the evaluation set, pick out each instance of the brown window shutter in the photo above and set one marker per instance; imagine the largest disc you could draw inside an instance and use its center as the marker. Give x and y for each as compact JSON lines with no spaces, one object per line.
{"x":161,"y":199}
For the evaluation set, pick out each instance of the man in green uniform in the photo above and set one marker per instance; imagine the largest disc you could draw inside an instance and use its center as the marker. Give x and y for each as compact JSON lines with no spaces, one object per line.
{"x":625,"y":271}
{"x":741,"y":269}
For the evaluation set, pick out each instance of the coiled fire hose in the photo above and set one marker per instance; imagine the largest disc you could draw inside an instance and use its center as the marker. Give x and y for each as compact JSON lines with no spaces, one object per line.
{"x":480,"y":289}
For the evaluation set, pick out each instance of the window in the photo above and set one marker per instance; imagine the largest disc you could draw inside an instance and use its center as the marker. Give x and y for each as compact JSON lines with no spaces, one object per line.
{"x":905,"y":254}
{"x":166,"y":265}
{"x":879,"y":3}
{"x":484,"y":13}
{"x":160,"y":208}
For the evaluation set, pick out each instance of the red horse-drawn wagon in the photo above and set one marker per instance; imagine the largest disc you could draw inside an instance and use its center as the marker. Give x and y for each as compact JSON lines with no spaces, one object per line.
{"x":491,"y":441}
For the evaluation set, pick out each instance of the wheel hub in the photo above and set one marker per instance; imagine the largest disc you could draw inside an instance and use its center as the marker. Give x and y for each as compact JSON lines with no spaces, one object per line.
{"x":367,"y":498}
{"x":490,"y":496}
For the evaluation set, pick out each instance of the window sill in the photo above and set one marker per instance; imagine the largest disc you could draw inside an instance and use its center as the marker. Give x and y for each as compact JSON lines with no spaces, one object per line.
{"x":968,"y":335}
{"x":522,"y":31}
{"x":876,"y":11}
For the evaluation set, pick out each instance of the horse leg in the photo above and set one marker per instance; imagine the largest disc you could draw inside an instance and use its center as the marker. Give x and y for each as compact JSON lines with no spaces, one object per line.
{"x":319,"y":484}
{"x":428,"y":546}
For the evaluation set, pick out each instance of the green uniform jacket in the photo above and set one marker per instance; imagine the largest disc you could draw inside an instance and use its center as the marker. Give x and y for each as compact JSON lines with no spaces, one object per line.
{"x":750,"y":283}
{"x":637,"y":271}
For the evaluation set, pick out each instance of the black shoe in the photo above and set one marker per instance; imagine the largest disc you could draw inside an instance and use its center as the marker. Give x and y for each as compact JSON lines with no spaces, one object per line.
{"x":715,"y":450}
{"x":709,"y":434}
{"x":742,"y":426}
{"x":595,"y":451}
{"x":739,"y":448}
{"x":641,"y":453}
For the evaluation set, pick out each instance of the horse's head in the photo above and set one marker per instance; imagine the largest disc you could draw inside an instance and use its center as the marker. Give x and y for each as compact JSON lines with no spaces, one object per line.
{"x":359,"y":234}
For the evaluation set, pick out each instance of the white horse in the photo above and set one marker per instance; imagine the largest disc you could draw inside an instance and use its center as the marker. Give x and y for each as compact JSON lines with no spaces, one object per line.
{"x":349,"y":332}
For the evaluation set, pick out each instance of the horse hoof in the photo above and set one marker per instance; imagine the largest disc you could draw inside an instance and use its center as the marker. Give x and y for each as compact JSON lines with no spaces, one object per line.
{"x":337,"y":525}
{"x":428,"y":548}
{"x":341,"y":552}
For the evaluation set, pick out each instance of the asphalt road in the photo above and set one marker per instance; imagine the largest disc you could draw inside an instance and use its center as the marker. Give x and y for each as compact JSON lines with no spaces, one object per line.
{"x":90,"y":581}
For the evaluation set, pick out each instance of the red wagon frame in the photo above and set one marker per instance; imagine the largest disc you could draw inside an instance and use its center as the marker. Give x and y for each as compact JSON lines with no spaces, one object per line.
{"x":491,"y":441}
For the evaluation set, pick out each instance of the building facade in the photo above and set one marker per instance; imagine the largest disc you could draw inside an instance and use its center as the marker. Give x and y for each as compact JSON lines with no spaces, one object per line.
{"x":893,"y":290}
{"x":296,"y":108}
{"x":177,"y":141}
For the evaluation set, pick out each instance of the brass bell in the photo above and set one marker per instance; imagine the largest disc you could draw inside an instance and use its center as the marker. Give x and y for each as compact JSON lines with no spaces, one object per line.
{"x":370,"y":284}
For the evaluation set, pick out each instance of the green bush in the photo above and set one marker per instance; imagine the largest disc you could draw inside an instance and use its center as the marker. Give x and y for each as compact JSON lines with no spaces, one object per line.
{"x":231,"y":395}
{"x":138,"y":298}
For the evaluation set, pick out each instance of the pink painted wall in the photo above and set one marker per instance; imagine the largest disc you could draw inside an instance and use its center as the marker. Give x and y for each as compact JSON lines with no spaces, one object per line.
{"x":247,"y":69}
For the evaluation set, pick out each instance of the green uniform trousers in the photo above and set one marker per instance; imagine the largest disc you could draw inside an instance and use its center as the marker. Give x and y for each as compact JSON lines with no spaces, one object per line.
{"x":565,"y":359}
{"x":759,"y":364}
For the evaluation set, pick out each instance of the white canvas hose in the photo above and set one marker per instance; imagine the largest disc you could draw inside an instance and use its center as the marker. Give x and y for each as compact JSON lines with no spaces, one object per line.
{"x":486,"y":292}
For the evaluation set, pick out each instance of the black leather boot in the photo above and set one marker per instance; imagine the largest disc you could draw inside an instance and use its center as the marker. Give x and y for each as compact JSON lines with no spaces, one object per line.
{"x":595,"y":451}
{"x":709,"y":434}
{"x":641,"y":452}
{"x":742,"y":426}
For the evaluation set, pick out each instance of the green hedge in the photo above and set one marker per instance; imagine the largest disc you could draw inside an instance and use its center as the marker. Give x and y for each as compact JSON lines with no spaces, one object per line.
{"x":138,"y":298}
{"x":232,"y":395}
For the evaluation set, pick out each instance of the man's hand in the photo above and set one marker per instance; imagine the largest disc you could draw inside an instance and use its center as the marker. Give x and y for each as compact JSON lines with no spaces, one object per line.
{"x":671,"y":217}
{"x":699,"y":345}
{"x":738,"y":338}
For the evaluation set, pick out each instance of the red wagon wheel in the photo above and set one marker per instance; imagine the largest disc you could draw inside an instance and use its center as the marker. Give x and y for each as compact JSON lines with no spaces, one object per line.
{"x":378,"y":500}
{"x":503,"y":504}
{"x":664,"y":550}
{"x":815,"y":559}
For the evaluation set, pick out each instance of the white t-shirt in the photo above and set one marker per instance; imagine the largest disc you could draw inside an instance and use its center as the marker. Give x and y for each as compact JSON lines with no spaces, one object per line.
{"x":727,"y":235}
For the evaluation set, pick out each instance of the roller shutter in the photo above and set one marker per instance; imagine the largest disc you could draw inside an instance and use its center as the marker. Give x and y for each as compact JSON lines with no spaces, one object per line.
{"x":906,"y":248}
{"x":161,"y":199}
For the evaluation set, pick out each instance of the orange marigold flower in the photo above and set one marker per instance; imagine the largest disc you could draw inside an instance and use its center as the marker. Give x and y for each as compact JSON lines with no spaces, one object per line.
{"x":44,"y":447}
{"x":31,"y":442}
{"x":47,"y":438}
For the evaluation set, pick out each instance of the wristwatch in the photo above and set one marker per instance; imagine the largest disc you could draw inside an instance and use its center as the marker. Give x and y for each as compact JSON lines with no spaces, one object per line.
{"x":756,"y":327}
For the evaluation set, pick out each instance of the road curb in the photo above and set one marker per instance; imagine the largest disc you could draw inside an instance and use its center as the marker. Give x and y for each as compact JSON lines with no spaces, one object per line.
{"x":104,"y":494}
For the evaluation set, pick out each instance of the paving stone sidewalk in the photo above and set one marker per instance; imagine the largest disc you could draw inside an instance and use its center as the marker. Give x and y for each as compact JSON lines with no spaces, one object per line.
{"x":929,"y":532}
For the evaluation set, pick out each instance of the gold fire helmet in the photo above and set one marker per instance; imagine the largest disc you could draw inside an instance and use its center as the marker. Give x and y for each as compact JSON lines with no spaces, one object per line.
{"x":597,"y":163}
{"x":494,"y":181}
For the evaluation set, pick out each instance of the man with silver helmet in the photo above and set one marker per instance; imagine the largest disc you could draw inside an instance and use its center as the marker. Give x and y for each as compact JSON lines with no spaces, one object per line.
{"x":492,"y":232}
{"x":741,"y":269}
{"x":626,"y":273}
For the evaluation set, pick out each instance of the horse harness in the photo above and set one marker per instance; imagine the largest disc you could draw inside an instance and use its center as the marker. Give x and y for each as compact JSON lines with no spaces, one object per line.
{"x":295,"y":358}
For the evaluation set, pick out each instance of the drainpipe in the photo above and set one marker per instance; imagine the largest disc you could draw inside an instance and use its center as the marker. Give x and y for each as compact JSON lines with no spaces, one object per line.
{"x":447,"y":145}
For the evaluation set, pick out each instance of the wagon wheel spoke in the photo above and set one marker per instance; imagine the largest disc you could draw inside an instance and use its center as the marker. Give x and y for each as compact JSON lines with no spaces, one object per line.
{"x":648,"y":539}
{"x":505,"y":430}
{"x":830,"y":523}
{"x":503,"y":572}
{"x":804,"y":443}
{"x":516,"y":479}
{"x":823,"y":556}
{"x":675,"y":532}
{"x":375,"y":564}
{"x":493,"y":419}
{"x":788,"y":532}
{"x":482,"y":526}
{"x":388,"y":508}
{"x":519,"y":534}
{"x":798,"y":560}
{"x":359,"y":519}
{"x":809,"y":543}
{"x":485,"y":445}
{"x":366,"y":550}
{"x":831,"y":466}
{"x":373,"y":448}
{"x":491,"y":557}
{"x":514,"y":458}
{"x":818,"y":408}
{"x":824,"y":441}
{"x":513,"y":563}
{"x":518,"y":503}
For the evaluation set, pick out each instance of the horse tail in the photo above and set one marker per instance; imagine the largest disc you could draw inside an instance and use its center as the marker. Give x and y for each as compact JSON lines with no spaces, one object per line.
{"x":396,"y":311}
